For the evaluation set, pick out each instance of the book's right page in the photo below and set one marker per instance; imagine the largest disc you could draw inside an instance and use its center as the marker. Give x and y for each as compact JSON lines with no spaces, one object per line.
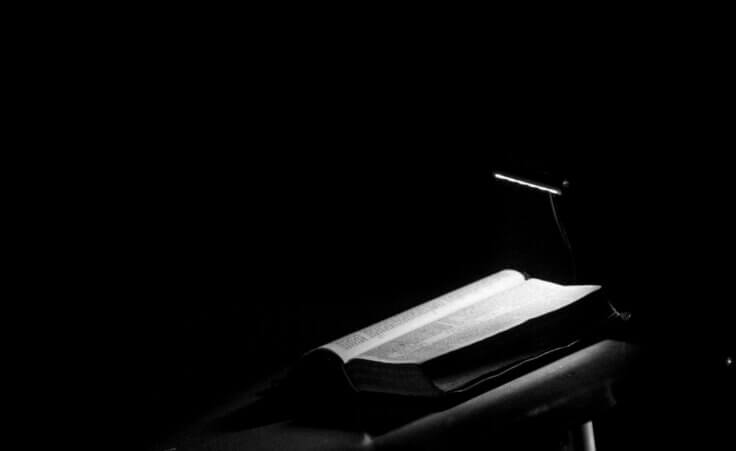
{"x":479,"y":321}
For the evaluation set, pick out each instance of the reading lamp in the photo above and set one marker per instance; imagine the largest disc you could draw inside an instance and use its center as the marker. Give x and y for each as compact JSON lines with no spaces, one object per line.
{"x":552,"y":188}
{"x":546,"y":187}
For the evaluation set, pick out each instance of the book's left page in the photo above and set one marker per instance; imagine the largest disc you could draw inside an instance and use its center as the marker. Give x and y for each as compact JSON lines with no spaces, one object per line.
{"x":377,"y":334}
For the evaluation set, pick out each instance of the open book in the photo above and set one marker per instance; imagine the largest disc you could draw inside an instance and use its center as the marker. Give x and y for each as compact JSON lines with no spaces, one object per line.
{"x":466,"y":337}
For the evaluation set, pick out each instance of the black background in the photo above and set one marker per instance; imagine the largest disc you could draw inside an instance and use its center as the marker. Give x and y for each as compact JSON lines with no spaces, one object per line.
{"x":249,"y":203}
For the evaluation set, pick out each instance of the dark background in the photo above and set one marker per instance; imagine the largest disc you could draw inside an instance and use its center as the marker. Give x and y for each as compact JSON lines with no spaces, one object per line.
{"x":254,"y":203}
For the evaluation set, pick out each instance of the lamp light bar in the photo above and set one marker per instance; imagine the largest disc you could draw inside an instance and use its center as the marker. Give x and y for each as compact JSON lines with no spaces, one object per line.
{"x":529,"y":183}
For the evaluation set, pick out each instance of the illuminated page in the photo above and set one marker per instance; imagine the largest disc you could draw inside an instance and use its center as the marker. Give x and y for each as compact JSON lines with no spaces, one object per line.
{"x":478,"y":321}
{"x":359,"y":342}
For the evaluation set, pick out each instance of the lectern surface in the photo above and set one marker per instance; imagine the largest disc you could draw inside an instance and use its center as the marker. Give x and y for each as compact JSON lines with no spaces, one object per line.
{"x":568,"y":391}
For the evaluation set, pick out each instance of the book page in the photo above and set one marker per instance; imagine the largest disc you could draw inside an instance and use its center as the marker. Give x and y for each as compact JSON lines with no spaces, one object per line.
{"x":356,"y":343}
{"x":478,"y":321}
